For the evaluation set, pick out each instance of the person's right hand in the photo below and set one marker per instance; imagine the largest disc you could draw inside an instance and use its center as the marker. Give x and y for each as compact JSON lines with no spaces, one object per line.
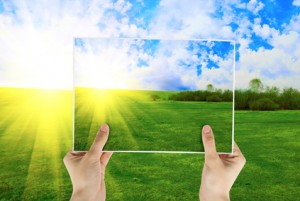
{"x":219,"y":171}
{"x":87,"y":169}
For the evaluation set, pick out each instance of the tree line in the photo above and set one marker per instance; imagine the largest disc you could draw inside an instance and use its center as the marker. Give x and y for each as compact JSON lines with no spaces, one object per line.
{"x":256,"y":97}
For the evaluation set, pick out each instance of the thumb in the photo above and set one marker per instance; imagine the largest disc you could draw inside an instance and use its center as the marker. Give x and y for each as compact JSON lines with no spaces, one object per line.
{"x":209,"y":143}
{"x":99,"y":142}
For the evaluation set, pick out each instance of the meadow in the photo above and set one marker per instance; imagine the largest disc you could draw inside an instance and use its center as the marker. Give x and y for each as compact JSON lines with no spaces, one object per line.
{"x":36,"y":132}
{"x":140,"y":122}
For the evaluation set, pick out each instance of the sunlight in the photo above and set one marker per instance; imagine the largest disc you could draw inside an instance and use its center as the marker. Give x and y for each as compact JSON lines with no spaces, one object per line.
{"x":53,"y":111}
{"x":44,"y":59}
{"x":99,"y":73}
{"x":37,"y":126}
{"x":91,"y":105}
{"x":97,"y":106}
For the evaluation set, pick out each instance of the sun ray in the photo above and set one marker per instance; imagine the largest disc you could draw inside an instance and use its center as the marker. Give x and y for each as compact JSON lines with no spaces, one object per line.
{"x":113,"y":113}
{"x":95,"y":107}
{"x":50,"y":108}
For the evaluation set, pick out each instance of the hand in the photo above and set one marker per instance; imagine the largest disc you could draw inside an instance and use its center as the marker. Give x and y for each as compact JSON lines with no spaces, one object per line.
{"x":219,"y":171}
{"x":87,"y":169}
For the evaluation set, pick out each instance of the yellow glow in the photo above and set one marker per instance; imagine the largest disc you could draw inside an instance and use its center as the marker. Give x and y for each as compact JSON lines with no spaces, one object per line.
{"x":39,"y":126}
{"x":96,"y":106}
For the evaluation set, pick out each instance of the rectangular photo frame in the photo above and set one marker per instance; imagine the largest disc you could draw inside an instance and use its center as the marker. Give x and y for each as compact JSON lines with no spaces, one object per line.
{"x":155,"y":94}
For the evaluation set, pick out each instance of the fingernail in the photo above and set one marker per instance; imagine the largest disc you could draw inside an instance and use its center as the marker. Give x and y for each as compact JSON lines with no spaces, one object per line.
{"x":104,"y":128}
{"x":206,"y":129}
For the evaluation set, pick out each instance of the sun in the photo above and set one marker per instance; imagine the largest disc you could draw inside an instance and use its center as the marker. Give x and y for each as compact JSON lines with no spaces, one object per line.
{"x":102,"y":75}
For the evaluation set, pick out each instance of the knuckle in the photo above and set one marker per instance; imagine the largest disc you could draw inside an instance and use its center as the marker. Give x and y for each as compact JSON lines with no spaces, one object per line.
{"x":92,"y":154}
{"x":211,"y":158}
{"x":212,"y":162}
{"x":214,"y":158}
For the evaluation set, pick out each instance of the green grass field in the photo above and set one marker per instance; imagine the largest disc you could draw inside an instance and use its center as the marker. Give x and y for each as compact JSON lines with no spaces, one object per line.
{"x":36,"y":132}
{"x":139,"y":123}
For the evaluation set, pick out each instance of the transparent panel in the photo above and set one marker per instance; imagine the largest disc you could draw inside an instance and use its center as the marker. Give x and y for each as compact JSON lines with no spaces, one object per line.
{"x":154,"y":94}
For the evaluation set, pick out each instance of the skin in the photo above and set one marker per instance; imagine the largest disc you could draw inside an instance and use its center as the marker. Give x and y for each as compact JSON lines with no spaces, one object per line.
{"x":219,"y":171}
{"x":87,"y":169}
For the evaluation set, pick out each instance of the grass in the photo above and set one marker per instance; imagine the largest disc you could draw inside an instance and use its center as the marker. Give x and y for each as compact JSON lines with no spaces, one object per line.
{"x":36,"y":132}
{"x":139,"y":123}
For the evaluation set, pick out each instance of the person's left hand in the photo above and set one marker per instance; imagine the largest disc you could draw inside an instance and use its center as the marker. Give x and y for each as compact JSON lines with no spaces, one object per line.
{"x":87,"y":169}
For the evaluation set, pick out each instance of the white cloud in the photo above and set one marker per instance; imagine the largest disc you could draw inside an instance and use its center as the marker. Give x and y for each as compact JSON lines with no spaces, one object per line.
{"x":271,"y":66}
{"x":264,"y":31}
{"x":36,"y":41}
{"x":276,"y":67}
{"x":98,"y":66}
{"x":122,"y":6}
{"x":288,"y":42}
{"x":296,"y":2}
{"x":188,"y":19}
{"x":254,"y":6}
{"x":294,"y":24}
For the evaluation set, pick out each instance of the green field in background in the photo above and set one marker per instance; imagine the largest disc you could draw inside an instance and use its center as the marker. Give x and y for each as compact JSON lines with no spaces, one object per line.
{"x":139,"y":123}
{"x":36,"y":132}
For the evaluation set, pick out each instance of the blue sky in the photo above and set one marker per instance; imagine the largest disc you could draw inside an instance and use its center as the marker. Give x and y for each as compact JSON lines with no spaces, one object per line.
{"x":37,"y":37}
{"x":153,"y":64}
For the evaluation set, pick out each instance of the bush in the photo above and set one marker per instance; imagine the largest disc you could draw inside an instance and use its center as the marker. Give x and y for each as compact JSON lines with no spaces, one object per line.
{"x":213,"y":98}
{"x":241,"y":100}
{"x":290,"y":99}
{"x":227,"y":96}
{"x":263,"y":104}
{"x":154,"y":97}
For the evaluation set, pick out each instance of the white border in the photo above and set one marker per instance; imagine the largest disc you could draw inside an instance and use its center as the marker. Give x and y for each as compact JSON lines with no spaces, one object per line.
{"x":73,"y":94}
{"x":233,"y":95}
{"x":170,"y":39}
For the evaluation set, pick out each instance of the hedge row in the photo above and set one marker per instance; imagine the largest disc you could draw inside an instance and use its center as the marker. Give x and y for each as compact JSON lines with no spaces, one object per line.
{"x":218,"y":96}
{"x":289,"y":98}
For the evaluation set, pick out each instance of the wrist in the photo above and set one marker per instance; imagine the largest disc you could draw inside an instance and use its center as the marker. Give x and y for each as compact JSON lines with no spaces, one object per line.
{"x":86,"y":195}
{"x":210,"y":195}
{"x":214,"y":198}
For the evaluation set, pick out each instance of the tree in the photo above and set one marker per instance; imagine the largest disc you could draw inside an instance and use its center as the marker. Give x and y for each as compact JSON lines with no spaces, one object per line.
{"x":213,"y":98}
{"x":227,"y":95}
{"x":272,"y":93}
{"x":273,"y":90}
{"x":256,"y":85}
{"x":210,"y":88}
{"x":263,"y":104}
{"x":154,"y":97}
{"x":290,"y":99}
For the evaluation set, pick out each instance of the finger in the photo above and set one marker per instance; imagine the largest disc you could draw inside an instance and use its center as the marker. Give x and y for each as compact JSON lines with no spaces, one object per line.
{"x":226,"y":156}
{"x":99,"y":142}
{"x":70,"y":157}
{"x":67,"y":156}
{"x":78,"y":154}
{"x":105,"y":158}
{"x":238,"y":153}
{"x":69,"y":152}
{"x":209,"y":143}
{"x":102,"y":188}
{"x":73,"y":155}
{"x":236,"y":150}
